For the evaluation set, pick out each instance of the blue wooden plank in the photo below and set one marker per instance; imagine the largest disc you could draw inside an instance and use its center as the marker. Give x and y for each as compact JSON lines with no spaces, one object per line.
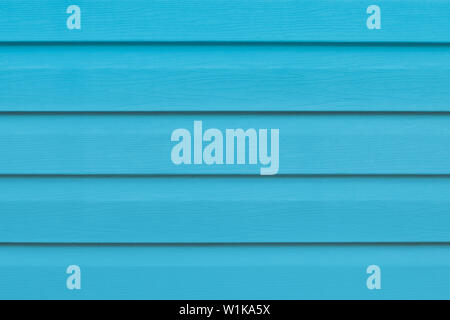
{"x":308,"y":143}
{"x":224,"y":209}
{"x":225,"y":272}
{"x":223,"y":77}
{"x":225,"y":20}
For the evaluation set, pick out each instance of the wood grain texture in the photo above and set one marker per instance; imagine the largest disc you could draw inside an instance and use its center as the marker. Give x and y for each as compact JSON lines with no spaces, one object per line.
{"x":224,"y":209}
{"x":226,"y":20}
{"x":86,"y":177}
{"x":225,"y":272}
{"x":311,"y":143}
{"x":224,"y":77}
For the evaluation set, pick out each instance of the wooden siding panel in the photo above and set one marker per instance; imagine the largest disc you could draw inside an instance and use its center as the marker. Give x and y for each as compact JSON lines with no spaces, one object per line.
{"x":224,"y":209}
{"x":224,"y":77}
{"x":226,"y":20}
{"x":226,"y":272}
{"x":140,"y":144}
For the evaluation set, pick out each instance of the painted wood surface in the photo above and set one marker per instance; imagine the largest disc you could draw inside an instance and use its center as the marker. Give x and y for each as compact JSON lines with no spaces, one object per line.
{"x":86,"y":174}
{"x":140,"y":144}
{"x":224,"y":77}
{"x":224,"y":209}
{"x":226,"y":20}
{"x":226,"y":272}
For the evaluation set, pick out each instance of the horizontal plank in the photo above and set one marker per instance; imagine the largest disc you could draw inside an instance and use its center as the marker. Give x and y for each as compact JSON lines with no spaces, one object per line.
{"x":225,"y":272}
{"x":226,"y":20}
{"x":309,"y":143}
{"x":224,"y":77}
{"x":224,"y":209}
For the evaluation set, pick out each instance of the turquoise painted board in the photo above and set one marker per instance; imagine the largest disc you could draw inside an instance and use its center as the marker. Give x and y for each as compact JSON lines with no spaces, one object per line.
{"x":225,"y":272}
{"x":226,"y":20}
{"x":224,"y":77}
{"x":224,"y":209}
{"x":212,"y":149}
{"x":146,"y":144}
